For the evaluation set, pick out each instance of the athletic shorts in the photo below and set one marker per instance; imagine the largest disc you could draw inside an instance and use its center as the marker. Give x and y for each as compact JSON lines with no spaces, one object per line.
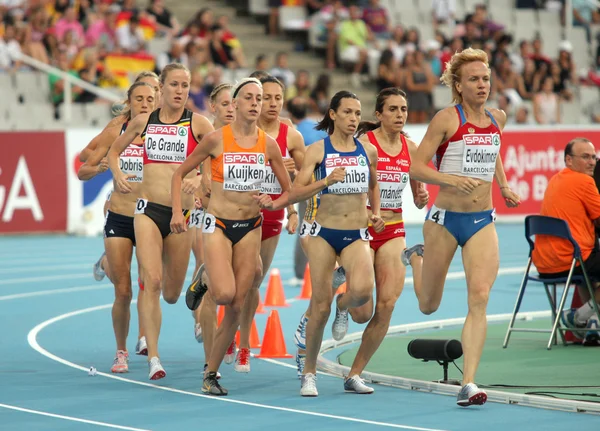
{"x":391,"y":231}
{"x":271,"y":229}
{"x":160,"y":214}
{"x":339,"y":239}
{"x":119,"y":226}
{"x":234,"y":230}
{"x":462,"y":226}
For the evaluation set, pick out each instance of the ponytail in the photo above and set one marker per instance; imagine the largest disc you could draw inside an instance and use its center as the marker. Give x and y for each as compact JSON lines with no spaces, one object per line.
{"x":367,"y":126}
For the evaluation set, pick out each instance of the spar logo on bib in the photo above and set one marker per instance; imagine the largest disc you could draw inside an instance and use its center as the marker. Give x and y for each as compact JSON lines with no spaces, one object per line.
{"x":161,"y":129}
{"x":481,"y":139}
{"x":166,"y":143}
{"x":390,"y":177}
{"x":243,"y":171}
{"x":345,"y":162}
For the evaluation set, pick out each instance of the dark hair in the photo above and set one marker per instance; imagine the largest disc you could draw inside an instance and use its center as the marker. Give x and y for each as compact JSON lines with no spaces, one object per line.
{"x":572,"y":142}
{"x":258,"y":74}
{"x":297,"y":108}
{"x":271,"y":79}
{"x":367,"y":126}
{"x":387,"y":56}
{"x":327,"y":123}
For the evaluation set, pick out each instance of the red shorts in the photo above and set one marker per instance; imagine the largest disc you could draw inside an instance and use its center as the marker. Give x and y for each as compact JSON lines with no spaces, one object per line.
{"x":391,"y":231}
{"x":270,"y":229}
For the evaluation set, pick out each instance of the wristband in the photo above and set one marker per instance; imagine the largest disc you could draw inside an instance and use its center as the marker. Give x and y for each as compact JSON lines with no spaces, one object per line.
{"x":291,"y":213}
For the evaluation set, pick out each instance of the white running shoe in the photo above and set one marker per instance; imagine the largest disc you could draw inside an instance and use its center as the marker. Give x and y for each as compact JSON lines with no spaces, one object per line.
{"x":141,"y":348}
{"x":157,"y":371}
{"x":230,"y":354}
{"x":408,"y":252}
{"x":300,"y":362}
{"x":198,"y":333}
{"x":339,"y":278}
{"x":121,"y":362}
{"x":592,"y":336}
{"x":309,"y":385}
{"x":471,"y":395}
{"x":339,"y":328}
{"x":99,"y":273}
{"x":300,"y":334}
{"x":357,"y":385}
{"x":242,"y":361}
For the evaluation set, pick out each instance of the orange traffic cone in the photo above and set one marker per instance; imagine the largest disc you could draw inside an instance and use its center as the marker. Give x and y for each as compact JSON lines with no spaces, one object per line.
{"x":306,"y":292}
{"x":220,"y":315}
{"x":273,"y":342}
{"x":275,"y":294}
{"x":341,"y":289}
{"x":260,"y":309}
{"x":254,"y":338}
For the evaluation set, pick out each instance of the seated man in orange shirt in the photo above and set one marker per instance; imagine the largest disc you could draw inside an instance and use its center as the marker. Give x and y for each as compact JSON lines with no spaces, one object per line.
{"x":572,"y":196}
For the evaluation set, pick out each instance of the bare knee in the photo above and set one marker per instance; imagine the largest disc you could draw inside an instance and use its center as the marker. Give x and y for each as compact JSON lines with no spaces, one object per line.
{"x":320,"y":312}
{"x":361,"y":315}
{"x":170,"y":298}
{"x":223,"y":297}
{"x":428,"y":306}
{"x":123,"y":292}
{"x":478,"y":298}
{"x":385,"y":309}
{"x":152,"y":283}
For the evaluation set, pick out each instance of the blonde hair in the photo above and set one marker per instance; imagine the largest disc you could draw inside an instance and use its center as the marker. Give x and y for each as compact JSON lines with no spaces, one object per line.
{"x":146,"y":74}
{"x":453,"y":74}
{"x":124,"y":108}
{"x":173,"y":66}
{"x":237,"y":87}
{"x":217,"y":90}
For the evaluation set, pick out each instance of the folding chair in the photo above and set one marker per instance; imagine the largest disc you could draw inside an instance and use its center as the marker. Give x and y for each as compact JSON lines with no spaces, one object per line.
{"x":542,"y":225}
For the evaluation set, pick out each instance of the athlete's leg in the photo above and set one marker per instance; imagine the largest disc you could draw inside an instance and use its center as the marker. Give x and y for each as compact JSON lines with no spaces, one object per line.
{"x":149,"y":246}
{"x":176,"y":258}
{"x":360,"y":277}
{"x":440,"y":247}
{"x":389,"y":277}
{"x":481,"y":260}
{"x":119,"y":252}
{"x":208,"y":322}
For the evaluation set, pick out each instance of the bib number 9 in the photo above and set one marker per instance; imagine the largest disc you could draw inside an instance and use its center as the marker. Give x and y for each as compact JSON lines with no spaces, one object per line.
{"x":209,"y":223}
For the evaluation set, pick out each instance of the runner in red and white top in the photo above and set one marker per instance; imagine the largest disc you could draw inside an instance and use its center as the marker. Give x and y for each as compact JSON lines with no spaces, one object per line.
{"x":465,"y":140}
{"x":292,"y":149}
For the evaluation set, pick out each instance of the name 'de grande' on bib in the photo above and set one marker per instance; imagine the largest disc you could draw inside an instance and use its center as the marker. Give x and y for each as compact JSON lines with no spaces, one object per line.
{"x":243,"y":172}
{"x":480,"y":154}
{"x":357,"y":174}
{"x":166,"y":143}
{"x":132,"y":162}
{"x":391,"y":186}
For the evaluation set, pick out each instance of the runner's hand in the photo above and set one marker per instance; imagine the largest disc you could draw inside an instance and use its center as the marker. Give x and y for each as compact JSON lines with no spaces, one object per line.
{"x":264,"y":201}
{"x":378,"y":223}
{"x":292,"y":224}
{"x":337,"y":176}
{"x":511,"y":199}
{"x":123,"y":184}
{"x":178,"y":224}
{"x":466,"y":185}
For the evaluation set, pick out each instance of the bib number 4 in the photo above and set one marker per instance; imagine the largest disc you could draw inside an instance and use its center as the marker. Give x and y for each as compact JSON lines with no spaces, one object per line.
{"x":437,"y":215}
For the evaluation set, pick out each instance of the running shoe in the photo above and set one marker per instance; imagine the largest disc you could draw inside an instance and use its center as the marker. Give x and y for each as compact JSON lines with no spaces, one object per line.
{"x":99,"y":273}
{"x":308,"y":386}
{"x":211,"y":385}
{"x":198,"y":333}
{"x":339,"y":328}
{"x":339,"y":278}
{"x":242,"y":361}
{"x":300,"y":361}
{"x":196,"y":290}
{"x":408,"y":252}
{"x":218,"y":374}
{"x":471,"y":395}
{"x":157,"y":371}
{"x":230,"y":354}
{"x":121,"y":362}
{"x":592,"y":336}
{"x":141,"y":348}
{"x":300,"y":334}
{"x":568,"y":319}
{"x":357,"y":385}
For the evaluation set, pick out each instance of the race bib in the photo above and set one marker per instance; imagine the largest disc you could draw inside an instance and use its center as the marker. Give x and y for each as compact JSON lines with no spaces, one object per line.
{"x":480,"y":154}
{"x":436,"y":215}
{"x":357,"y":174}
{"x":304,"y":229}
{"x":131,"y":162}
{"x":166,"y":143}
{"x":391,"y":187}
{"x":271,"y":184}
{"x":196,"y":218}
{"x":315,"y":228}
{"x":140,"y":206}
{"x":243,"y":172}
{"x":209,"y":223}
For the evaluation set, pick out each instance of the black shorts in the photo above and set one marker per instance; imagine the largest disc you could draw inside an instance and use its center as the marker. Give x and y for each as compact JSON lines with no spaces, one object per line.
{"x":119,"y":226}
{"x":275,"y":3}
{"x":234,"y":230}
{"x":591,"y":264}
{"x":160,"y":214}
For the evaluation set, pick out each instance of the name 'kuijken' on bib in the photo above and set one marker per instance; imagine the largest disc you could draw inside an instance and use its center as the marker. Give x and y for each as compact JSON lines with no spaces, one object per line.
{"x":166,"y":143}
{"x":357,"y":174}
{"x":243,"y":172}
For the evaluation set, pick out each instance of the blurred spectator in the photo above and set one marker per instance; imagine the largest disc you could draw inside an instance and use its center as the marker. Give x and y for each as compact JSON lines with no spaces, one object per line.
{"x":298,"y":109}
{"x":432,"y":55}
{"x":352,"y":44}
{"x":505,"y":82}
{"x":396,"y":43}
{"x":522,"y":115}
{"x":377,"y":19}
{"x":327,"y":21}
{"x":221,"y":54}
{"x":174,"y":55}
{"x":38,"y":26}
{"x":274,"y":6}
{"x":301,"y":87}
{"x":419,"y":86}
{"x":594,"y":110}
{"x":131,"y":36}
{"x":129,"y":7}
{"x":456,"y":45}
{"x":197,"y":100}
{"x":102,"y":33}
{"x":487,"y":27}
{"x":282,"y":71}
{"x":69,"y":23}
{"x":10,"y":50}
{"x":561,"y":84}
{"x":69,"y":46}
{"x":443,"y":12}
{"x":538,"y":55}
{"x":262,"y":62}
{"x":472,"y":37}
{"x":229,"y":38}
{"x":527,"y":83}
{"x":319,"y":96}
{"x":583,"y":11}
{"x":313,"y":6}
{"x":518,"y":59}
{"x":166,"y":22}
{"x":199,"y":57}
{"x":387,"y":70}
{"x":546,"y":104}
{"x":568,"y":70}
{"x":57,"y":84}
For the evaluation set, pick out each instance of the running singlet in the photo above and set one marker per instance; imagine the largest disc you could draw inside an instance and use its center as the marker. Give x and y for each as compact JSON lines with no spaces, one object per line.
{"x":240,"y":169}
{"x":168,"y":143}
{"x":392,"y":174}
{"x":356,"y":164}
{"x":132,"y":160}
{"x":472,"y":151}
{"x":271,"y":185}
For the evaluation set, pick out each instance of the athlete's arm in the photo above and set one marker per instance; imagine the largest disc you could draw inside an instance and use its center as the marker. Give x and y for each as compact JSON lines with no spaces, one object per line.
{"x":203,"y":150}
{"x":95,"y":162}
{"x":201,"y":126}
{"x":281,"y":173}
{"x":420,"y":193}
{"x":296,"y":147}
{"x":91,"y":147}
{"x":134,"y":129}
{"x":511,"y":198}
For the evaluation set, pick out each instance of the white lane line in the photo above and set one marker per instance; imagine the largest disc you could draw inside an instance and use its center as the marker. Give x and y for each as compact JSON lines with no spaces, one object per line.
{"x":22,"y":280}
{"x":33,"y":268}
{"x":32,"y":340}
{"x":28,"y":261}
{"x":70,"y":418}
{"x":96,"y":286}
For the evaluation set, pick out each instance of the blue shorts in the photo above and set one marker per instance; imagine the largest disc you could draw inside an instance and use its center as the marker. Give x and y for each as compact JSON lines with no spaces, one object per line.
{"x":462,"y":226}
{"x":339,"y":239}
